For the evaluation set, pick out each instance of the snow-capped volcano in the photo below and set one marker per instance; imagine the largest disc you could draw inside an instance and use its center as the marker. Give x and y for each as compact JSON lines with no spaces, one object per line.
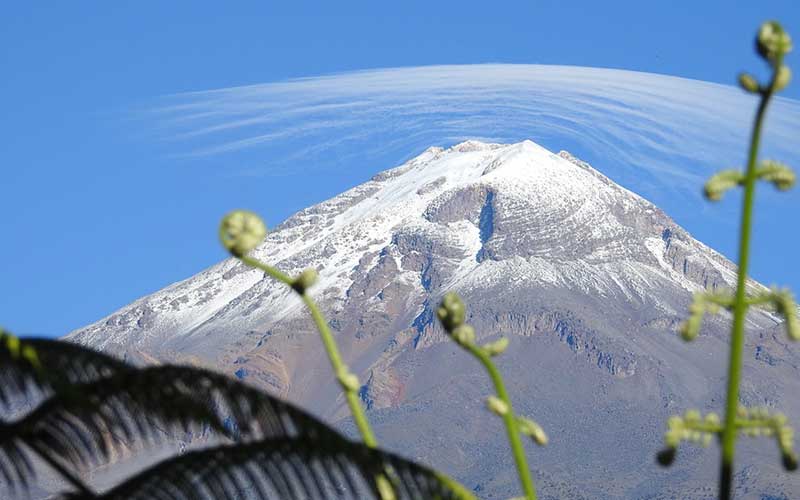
{"x":496,"y":209}
{"x":588,"y":280}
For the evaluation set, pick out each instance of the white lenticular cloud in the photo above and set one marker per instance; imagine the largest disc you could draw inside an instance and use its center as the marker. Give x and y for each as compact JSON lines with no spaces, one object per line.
{"x":646,"y":131}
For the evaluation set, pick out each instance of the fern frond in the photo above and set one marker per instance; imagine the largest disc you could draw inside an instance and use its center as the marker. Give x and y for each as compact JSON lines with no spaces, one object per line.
{"x":55,"y":363}
{"x":281,"y":468}
{"x":84,"y":424}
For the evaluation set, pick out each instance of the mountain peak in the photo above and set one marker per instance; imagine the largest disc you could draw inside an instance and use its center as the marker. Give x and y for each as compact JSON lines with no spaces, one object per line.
{"x":587,"y":280}
{"x":485,"y":210}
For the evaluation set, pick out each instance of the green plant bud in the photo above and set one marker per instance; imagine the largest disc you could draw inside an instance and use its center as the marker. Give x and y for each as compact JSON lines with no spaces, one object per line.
{"x":786,"y":436}
{"x":672,"y":438}
{"x":772,"y":42}
{"x":530,"y":428}
{"x":241,"y":231}
{"x":749,"y":83}
{"x":777,"y":173}
{"x":712,"y":419}
{"x":451,"y":311}
{"x":497,"y":347}
{"x":349,"y":381}
{"x":741,"y":411}
{"x":721,"y":182}
{"x":782,"y":78}
{"x":666,"y":457}
{"x":12,"y":344}
{"x":779,"y":419}
{"x":464,"y":334}
{"x":690,"y":328}
{"x":304,"y":281}
{"x":497,"y":405}
{"x":692,"y":416}
{"x":706,"y":440}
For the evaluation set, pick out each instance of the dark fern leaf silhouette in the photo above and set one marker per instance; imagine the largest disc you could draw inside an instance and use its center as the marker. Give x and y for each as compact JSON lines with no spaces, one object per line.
{"x":325,"y":468}
{"x":98,"y":405}
{"x":54,"y":363}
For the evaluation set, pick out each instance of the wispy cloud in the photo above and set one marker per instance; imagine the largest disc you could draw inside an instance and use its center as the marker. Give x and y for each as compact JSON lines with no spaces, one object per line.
{"x":647,"y":131}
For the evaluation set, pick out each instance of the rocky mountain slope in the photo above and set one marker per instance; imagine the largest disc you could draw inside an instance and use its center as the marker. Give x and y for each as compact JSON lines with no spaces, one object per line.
{"x":587,"y":279}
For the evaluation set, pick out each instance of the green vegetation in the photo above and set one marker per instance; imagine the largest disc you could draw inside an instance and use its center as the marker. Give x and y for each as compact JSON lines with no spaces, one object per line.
{"x":772,"y":44}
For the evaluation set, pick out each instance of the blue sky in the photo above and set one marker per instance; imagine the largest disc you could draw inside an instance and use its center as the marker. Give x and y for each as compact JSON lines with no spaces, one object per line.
{"x":109,"y":193}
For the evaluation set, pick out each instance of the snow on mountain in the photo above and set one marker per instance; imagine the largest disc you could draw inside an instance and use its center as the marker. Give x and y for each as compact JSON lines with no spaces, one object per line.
{"x":579,"y":236}
{"x":587,"y":279}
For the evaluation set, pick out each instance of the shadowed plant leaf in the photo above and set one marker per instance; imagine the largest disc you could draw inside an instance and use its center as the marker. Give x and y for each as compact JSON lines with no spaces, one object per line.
{"x":56,"y":363}
{"x":299,"y":468}
{"x":84,"y":424}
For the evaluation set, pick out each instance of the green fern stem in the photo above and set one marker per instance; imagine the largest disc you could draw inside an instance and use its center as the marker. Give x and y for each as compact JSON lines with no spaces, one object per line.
{"x":741,"y":304}
{"x":509,"y":419}
{"x":351,"y":394}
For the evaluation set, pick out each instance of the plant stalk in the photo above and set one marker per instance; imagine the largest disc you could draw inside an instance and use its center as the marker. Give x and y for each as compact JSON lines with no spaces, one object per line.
{"x":330,"y":348}
{"x":740,"y":306}
{"x":338,"y":366}
{"x":510,"y":421}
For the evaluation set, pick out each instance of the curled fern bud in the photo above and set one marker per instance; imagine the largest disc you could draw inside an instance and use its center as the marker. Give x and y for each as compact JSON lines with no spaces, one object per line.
{"x":497,"y":347}
{"x":451,"y":312}
{"x":464,"y":334}
{"x":772,"y":42}
{"x":749,"y":83}
{"x":241,"y":231}
{"x":782,"y":78}
{"x":666,"y":456}
{"x":721,"y":182}
{"x":530,"y":428}
{"x":304,"y":281}
{"x":497,"y":405}
{"x":777,"y":173}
